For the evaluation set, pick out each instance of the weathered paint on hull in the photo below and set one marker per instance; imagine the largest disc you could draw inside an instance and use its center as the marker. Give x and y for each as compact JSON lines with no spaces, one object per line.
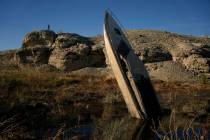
{"x":130,"y":72}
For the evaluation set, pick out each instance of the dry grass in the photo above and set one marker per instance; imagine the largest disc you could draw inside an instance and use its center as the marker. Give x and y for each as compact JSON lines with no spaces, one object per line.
{"x":178,"y":126}
{"x":58,"y":91}
{"x":115,"y":129}
{"x":175,"y":132}
{"x":113,"y":98}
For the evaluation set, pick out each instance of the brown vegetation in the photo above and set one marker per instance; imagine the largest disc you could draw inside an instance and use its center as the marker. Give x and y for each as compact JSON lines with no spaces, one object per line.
{"x":34,"y":100}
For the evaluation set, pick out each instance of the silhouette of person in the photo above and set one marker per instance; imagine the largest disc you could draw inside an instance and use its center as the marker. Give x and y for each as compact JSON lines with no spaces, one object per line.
{"x":48,"y":27}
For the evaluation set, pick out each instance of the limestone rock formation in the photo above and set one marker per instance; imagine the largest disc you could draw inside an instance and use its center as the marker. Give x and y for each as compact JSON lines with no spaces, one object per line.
{"x":153,"y":53}
{"x":97,"y":56}
{"x":172,"y":71}
{"x":197,"y":63}
{"x":33,"y":55}
{"x":65,"y":51}
{"x":204,"y":51}
{"x":167,"y":56}
{"x":72,"y":52}
{"x":72,"y":58}
{"x":39,"y":38}
{"x":65,"y":40}
{"x":157,"y":46}
{"x":77,"y":57}
{"x":182,"y":50}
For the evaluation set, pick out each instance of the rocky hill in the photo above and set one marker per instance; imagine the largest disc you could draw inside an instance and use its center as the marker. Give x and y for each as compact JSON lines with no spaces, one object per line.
{"x":167,"y":56}
{"x":58,"y":83}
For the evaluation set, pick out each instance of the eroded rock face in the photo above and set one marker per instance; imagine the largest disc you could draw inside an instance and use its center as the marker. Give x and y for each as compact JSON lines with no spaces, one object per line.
{"x":197,"y":63}
{"x":97,"y":56}
{"x":164,"y":54}
{"x":154,"y":54}
{"x":77,"y":57}
{"x":65,"y":40}
{"x":39,"y":38}
{"x":203,"y":51}
{"x":34,"y":55}
{"x":65,"y":51}
{"x":72,"y":52}
{"x":184,"y":50}
{"x":72,"y":58}
{"x":171,"y":71}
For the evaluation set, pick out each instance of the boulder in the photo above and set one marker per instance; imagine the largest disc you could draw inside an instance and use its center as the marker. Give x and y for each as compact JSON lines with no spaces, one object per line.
{"x":77,"y":57}
{"x":184,"y":50}
{"x":172,"y":71}
{"x":72,"y":58}
{"x":204,"y":51}
{"x":101,"y":45}
{"x":39,"y":38}
{"x":69,"y":51}
{"x":197,"y":63}
{"x":154,"y":53}
{"x":97,"y":56}
{"x":72,"y":52}
{"x":65,"y":40}
{"x":36,"y":55}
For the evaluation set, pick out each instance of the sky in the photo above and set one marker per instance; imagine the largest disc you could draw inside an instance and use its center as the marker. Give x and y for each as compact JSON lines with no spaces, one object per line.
{"x":85,"y":17}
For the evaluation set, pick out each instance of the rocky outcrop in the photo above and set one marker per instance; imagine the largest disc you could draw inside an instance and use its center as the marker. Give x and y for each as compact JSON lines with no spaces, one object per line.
{"x":153,"y":53}
{"x":195,"y":56}
{"x":65,"y":40}
{"x":184,"y":50}
{"x":39,"y":38}
{"x":204,"y":51}
{"x":72,"y":52}
{"x":77,"y":57}
{"x":197,"y":63}
{"x":33,"y":55}
{"x":154,"y":47}
{"x":166,"y":55}
{"x":97,"y":56}
{"x":36,"y":47}
{"x":72,"y":58}
{"x":171,"y":71}
{"x":65,"y":51}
